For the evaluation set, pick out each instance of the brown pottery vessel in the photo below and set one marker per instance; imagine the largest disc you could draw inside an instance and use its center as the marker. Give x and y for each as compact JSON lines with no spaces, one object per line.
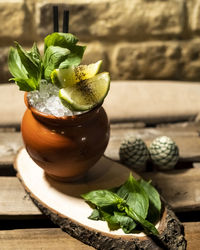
{"x":65,"y":147}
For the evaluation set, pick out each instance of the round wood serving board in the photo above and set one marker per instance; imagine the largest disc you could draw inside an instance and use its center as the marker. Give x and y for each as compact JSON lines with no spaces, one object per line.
{"x":63,"y":204}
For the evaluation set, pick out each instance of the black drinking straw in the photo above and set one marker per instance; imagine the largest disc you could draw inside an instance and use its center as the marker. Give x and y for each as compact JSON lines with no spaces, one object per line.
{"x":66,"y":21}
{"x":55,"y":18}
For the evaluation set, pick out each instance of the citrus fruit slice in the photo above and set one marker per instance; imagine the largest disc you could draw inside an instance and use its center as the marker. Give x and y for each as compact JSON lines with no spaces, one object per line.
{"x":86,"y":94}
{"x":64,"y":77}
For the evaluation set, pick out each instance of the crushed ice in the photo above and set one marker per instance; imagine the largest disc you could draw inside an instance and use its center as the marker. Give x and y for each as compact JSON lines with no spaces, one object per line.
{"x":46,"y":100}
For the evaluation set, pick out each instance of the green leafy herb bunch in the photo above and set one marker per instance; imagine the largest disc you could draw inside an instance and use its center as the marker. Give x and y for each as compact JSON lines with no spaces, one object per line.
{"x":134,"y":206}
{"x":29,"y":67}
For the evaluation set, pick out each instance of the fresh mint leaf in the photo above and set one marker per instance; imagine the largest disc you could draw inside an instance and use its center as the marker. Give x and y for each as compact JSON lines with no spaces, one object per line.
{"x":64,"y":40}
{"x":126,"y":223}
{"x":15,"y":65}
{"x":135,"y":196}
{"x":103,"y":198}
{"x":148,"y":227}
{"x":154,"y":201}
{"x":53,"y":57}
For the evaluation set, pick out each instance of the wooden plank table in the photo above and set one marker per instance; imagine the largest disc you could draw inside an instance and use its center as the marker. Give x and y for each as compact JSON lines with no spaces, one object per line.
{"x":22,"y":226}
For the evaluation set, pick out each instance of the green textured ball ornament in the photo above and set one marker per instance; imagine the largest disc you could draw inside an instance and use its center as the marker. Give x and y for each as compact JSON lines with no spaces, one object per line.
{"x":133,"y":153}
{"x":164,"y":153}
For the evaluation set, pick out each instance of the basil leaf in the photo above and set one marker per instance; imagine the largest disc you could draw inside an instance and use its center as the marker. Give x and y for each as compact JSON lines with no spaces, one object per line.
{"x":135,"y":196}
{"x":61,"y":51}
{"x":64,"y":40}
{"x":30,"y":65}
{"x":25,"y":84}
{"x":149,"y":228}
{"x":95,"y":215}
{"x":126,"y":223}
{"x":15,"y":65}
{"x":103,"y":198}
{"x":74,"y":58}
{"x":105,"y":215}
{"x":110,"y":218}
{"x":154,"y":201}
{"x":53,"y":56}
{"x":35,"y":55}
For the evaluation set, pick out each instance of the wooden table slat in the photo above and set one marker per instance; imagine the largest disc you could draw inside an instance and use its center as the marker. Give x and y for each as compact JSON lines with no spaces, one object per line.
{"x":10,"y":142}
{"x":13,"y":199}
{"x":54,"y":238}
{"x":186,"y":135}
{"x":37,"y":239}
{"x":180,"y":189}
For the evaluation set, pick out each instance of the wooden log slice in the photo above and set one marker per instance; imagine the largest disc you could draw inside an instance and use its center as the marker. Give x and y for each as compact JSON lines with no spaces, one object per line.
{"x":64,"y":206}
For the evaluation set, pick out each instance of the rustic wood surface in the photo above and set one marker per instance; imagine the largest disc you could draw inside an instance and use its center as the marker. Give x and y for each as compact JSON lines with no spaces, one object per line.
{"x":10,"y":142}
{"x":141,"y":107}
{"x":185,"y":134}
{"x":37,"y":239}
{"x":54,"y":238}
{"x":14,"y":200}
{"x":192,"y":234}
{"x":182,"y":195}
{"x":56,"y":200}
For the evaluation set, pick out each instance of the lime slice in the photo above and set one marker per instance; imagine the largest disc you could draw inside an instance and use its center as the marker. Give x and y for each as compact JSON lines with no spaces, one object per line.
{"x":86,"y":94}
{"x":64,"y":77}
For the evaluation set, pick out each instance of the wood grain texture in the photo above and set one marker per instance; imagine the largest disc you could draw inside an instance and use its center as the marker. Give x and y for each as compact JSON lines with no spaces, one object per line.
{"x":171,"y":235}
{"x":180,"y":189}
{"x":14,"y":201}
{"x":54,"y":238}
{"x":63,"y":204}
{"x":10,"y":142}
{"x":192,"y":234}
{"x":39,"y":239}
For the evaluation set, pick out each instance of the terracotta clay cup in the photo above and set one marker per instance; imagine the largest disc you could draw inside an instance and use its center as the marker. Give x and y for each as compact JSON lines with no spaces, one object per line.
{"x":65,"y":147}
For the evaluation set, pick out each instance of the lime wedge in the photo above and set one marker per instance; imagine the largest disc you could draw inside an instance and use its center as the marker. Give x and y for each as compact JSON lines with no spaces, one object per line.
{"x":86,"y":94}
{"x":64,"y":77}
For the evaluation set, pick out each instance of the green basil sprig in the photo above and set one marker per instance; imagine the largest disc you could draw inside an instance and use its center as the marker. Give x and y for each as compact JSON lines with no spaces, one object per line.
{"x":133,"y":205}
{"x":61,"y":51}
{"x":29,"y":67}
{"x":26,"y":67}
{"x":53,"y":57}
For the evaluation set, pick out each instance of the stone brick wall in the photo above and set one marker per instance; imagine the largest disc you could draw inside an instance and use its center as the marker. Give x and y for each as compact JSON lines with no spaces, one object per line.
{"x":137,"y":39}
